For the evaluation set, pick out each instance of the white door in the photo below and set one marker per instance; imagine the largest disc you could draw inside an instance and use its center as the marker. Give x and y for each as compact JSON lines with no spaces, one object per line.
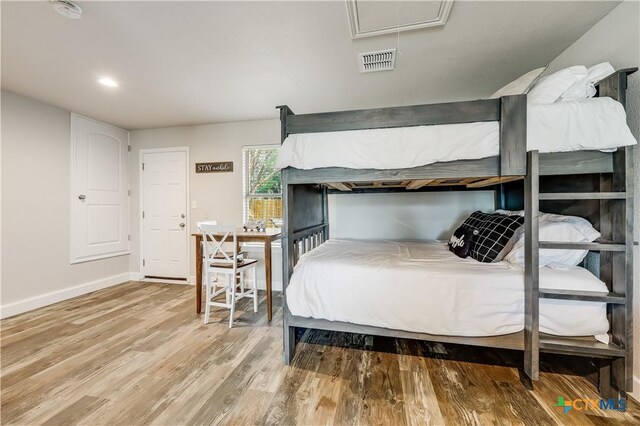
{"x":164,"y":214}
{"x":100,"y":190}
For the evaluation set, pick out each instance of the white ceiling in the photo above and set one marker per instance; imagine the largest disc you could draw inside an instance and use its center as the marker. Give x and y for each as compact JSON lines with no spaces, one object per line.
{"x":181,"y":63}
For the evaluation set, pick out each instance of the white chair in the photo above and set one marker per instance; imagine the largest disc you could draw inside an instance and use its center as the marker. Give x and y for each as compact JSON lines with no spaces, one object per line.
{"x":215,"y":222}
{"x":206,"y":222}
{"x":217,"y":262}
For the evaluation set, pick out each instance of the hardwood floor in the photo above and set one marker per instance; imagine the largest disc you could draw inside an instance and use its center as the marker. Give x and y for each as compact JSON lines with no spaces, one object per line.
{"x":137,"y":354}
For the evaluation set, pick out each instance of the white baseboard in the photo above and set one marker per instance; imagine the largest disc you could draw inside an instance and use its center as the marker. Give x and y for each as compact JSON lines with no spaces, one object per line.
{"x":135,"y":276}
{"x":139,"y":276}
{"x":165,"y":281}
{"x":275,"y":285}
{"x":636,"y":389}
{"x":15,"y":308}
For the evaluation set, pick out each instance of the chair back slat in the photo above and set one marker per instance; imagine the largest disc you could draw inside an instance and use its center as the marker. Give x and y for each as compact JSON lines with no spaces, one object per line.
{"x":214,"y":238}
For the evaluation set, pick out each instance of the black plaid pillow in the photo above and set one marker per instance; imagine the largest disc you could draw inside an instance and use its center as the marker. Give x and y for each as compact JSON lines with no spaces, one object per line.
{"x":496,"y":235}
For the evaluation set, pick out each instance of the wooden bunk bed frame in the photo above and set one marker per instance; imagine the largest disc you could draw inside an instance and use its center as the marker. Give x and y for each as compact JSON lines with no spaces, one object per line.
{"x":602,"y":192}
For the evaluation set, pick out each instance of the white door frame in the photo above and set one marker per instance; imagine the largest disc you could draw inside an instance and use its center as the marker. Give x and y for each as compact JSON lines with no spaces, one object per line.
{"x":141,"y":153}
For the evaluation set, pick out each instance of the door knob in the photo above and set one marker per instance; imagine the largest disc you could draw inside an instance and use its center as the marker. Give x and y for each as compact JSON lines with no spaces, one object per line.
{"x":182,"y":216}
{"x":182,"y":225}
{"x":82,"y":197}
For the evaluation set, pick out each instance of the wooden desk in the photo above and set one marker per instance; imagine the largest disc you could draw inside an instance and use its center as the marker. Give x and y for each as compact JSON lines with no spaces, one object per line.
{"x":266,"y":237}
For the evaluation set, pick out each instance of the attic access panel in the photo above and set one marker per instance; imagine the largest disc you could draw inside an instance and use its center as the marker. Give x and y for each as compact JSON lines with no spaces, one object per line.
{"x":372,"y":18}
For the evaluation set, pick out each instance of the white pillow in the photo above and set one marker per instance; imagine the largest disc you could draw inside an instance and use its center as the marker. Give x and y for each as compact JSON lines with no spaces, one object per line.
{"x":555,"y":227}
{"x":585,"y":87}
{"x":549,"y":89}
{"x":522,"y":85}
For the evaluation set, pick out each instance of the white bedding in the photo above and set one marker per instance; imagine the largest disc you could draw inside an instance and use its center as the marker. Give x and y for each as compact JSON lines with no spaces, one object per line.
{"x":592,"y":124}
{"x":422,"y":287}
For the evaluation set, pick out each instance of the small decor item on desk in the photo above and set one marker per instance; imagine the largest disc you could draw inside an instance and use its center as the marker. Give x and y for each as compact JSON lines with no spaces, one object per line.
{"x":461,"y":241}
{"x":254,"y":225}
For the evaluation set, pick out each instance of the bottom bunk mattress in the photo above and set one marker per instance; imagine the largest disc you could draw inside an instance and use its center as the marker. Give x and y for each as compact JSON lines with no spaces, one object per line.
{"x":422,"y":287}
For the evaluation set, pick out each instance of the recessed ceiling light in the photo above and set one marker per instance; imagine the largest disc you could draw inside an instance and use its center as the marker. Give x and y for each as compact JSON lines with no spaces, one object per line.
{"x":67,"y":8}
{"x":109,"y":82}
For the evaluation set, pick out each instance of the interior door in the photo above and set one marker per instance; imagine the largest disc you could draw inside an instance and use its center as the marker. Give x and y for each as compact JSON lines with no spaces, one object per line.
{"x":164,"y":210}
{"x":100,"y":190}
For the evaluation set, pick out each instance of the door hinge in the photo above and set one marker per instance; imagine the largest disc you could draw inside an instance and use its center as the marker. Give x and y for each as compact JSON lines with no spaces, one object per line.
{"x":129,"y":193}
{"x":143,"y":262}
{"x":129,"y":148}
{"x":142,"y":166}
{"x":143,"y":214}
{"x":129,"y":237}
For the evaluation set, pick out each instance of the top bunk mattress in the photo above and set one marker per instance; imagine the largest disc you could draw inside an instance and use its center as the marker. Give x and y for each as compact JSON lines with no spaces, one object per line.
{"x":422,"y":287}
{"x":592,"y":124}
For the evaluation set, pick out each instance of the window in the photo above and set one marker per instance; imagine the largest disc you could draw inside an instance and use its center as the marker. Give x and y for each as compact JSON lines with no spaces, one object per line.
{"x":262,"y":186}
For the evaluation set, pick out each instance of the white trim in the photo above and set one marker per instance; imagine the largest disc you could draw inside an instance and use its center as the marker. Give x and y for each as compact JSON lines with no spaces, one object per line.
{"x":356,"y":32}
{"x":100,"y":256}
{"x":137,"y":276}
{"x":275,"y":285}
{"x":72,"y":188}
{"x":636,"y":389}
{"x":141,"y":154}
{"x":164,"y":281}
{"x":99,"y":122}
{"x":15,"y":308}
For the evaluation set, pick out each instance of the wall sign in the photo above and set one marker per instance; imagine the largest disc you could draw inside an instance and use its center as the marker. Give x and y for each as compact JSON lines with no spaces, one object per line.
{"x":220,"y":167}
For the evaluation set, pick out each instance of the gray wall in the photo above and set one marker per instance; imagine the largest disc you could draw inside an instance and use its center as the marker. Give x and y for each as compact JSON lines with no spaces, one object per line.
{"x":406,"y":216}
{"x":616,"y":38}
{"x":218,"y":195}
{"x":36,"y":267}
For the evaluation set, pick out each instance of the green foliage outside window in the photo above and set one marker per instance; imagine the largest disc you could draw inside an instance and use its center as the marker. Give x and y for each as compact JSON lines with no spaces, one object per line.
{"x":263,"y":186}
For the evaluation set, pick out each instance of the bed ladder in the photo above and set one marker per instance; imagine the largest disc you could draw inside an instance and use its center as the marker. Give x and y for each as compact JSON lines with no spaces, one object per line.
{"x":615,"y":267}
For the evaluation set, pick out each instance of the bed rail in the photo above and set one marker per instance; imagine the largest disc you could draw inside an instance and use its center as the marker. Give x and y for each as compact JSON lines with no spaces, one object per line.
{"x":306,"y":240}
{"x":510,"y":111}
{"x":404,"y":116}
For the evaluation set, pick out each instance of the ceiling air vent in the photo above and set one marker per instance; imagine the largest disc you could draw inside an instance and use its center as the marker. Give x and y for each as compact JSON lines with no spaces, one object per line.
{"x":384,"y":60}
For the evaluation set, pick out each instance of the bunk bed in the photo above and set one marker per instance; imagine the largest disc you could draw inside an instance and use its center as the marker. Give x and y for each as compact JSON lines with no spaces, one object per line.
{"x":593,"y":184}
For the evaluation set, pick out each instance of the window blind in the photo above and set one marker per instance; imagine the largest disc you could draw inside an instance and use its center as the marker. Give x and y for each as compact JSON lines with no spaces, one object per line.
{"x":262,"y":187}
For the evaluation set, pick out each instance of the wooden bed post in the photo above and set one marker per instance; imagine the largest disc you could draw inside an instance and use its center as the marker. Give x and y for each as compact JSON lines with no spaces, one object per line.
{"x":289,"y":332}
{"x":531,"y":268}
{"x":616,"y":268}
{"x":513,"y":135}
{"x":500,"y":197}
{"x":325,"y":212}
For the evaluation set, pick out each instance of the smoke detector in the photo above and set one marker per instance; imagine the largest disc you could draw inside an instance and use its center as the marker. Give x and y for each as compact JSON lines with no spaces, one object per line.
{"x":67,"y":8}
{"x":383,"y":60}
